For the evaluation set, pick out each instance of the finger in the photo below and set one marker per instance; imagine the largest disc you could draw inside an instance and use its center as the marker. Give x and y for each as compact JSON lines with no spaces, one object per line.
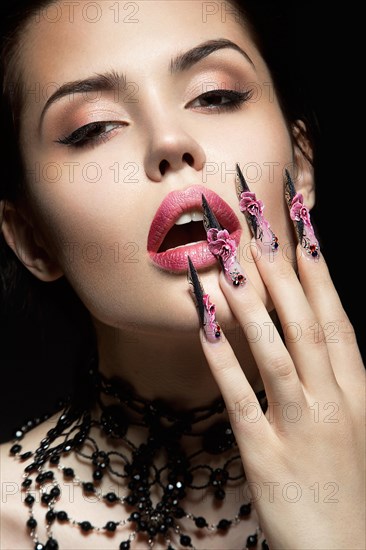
{"x":246,"y":417}
{"x":333,"y":325}
{"x":276,"y":367}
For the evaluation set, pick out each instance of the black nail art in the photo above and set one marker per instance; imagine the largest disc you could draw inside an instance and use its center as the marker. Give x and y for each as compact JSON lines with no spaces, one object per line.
{"x":253,"y":208}
{"x":206,"y":310}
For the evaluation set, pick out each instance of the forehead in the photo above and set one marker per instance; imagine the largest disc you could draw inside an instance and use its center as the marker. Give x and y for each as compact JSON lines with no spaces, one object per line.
{"x":69,"y":40}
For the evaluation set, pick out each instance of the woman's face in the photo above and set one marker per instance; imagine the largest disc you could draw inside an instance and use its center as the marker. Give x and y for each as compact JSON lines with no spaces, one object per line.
{"x":147,"y":131}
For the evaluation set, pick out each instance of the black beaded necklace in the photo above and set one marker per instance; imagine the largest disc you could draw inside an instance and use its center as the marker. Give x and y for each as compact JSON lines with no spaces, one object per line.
{"x":136,"y":465}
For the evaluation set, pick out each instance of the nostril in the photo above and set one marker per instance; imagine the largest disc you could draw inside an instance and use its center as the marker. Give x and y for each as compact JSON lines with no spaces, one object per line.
{"x":187,"y":157}
{"x":163,"y":166}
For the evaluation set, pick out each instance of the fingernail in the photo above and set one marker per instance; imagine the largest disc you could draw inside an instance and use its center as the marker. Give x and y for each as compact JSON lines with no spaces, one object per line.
{"x":222,"y":246}
{"x":253,"y":208}
{"x":300,"y":215}
{"x":206,"y":310}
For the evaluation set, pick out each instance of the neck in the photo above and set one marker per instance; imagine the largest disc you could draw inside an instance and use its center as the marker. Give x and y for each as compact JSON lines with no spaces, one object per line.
{"x":166,"y":367}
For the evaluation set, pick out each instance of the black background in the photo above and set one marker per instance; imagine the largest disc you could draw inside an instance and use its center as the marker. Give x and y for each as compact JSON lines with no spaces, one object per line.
{"x":33,"y":375}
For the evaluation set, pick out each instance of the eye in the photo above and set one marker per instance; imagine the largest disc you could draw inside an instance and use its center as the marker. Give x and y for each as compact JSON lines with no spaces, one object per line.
{"x":221,"y":100}
{"x":92,"y":133}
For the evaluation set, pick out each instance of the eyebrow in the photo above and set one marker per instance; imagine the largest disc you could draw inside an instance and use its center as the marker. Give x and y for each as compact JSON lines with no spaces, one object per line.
{"x":113,"y":81}
{"x":109,"y":81}
{"x":186,"y":60}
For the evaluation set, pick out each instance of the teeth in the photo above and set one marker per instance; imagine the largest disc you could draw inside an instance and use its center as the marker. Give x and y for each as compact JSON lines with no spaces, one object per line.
{"x":189,"y":217}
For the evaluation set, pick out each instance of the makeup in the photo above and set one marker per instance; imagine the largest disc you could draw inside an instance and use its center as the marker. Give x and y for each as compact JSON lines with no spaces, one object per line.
{"x":206,"y":310}
{"x":253,"y":208}
{"x":222,"y":246}
{"x":174,"y":235}
{"x":300,"y":215}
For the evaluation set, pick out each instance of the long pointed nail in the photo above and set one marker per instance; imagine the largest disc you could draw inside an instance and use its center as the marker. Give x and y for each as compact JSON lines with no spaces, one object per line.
{"x":300,"y":215}
{"x":222,"y":246}
{"x":206,"y":310}
{"x":253,"y":208}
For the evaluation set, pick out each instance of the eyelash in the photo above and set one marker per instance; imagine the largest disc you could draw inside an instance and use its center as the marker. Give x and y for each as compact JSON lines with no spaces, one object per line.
{"x":83,"y":136}
{"x":236,"y":99}
{"x":92,"y":134}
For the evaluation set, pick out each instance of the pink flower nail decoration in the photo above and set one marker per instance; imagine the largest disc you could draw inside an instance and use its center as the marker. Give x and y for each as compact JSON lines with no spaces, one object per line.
{"x":249,"y":203}
{"x":299,"y":211}
{"x":253,"y":210}
{"x":210,"y":316}
{"x":221,"y":245}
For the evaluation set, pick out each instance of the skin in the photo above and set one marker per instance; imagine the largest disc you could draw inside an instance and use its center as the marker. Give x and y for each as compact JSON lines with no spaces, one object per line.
{"x":134,"y":304}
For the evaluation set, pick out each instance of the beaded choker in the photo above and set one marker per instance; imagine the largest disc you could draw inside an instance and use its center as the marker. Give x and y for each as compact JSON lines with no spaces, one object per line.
{"x":153,"y":475}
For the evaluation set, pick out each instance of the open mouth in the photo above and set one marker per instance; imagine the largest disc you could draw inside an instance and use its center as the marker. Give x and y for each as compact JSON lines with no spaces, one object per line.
{"x":177,"y":229}
{"x":188,"y":229}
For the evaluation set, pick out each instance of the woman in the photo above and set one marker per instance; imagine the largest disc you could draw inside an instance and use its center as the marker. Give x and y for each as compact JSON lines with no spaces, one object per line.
{"x":138,"y":121}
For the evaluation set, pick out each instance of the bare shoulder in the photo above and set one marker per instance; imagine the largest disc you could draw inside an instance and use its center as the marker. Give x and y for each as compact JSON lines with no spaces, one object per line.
{"x":14,"y":534}
{"x":13,"y":519}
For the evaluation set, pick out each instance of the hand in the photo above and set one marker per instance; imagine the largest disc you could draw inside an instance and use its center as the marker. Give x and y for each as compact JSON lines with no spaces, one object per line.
{"x":304,"y":459}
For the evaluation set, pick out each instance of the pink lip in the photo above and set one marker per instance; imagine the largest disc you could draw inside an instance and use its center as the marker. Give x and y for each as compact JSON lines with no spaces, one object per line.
{"x":172,"y":207}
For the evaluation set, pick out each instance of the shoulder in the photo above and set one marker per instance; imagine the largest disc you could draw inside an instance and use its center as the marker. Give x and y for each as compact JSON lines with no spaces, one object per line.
{"x":14,"y":534}
{"x":13,"y":530}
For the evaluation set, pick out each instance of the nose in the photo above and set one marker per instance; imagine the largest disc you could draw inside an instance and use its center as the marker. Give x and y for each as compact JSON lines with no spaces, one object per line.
{"x":171,"y":148}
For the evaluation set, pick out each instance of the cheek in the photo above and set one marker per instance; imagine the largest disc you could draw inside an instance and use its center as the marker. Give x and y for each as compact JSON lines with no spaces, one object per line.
{"x":93,"y":232}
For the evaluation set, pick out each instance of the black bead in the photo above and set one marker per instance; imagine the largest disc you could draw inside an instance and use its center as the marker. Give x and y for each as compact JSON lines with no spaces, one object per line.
{"x":179,"y":513}
{"x":245,"y":510}
{"x":40,"y":479}
{"x":111,"y":497}
{"x":223,"y":524}
{"x":29,"y":500}
{"x":51,"y":544}
{"x":185,"y":540}
{"x":27,"y":483}
{"x":49,"y":475}
{"x":26,"y":455}
{"x":62,"y":516}
{"x":220,"y":494}
{"x":31,"y":523}
{"x":169,"y":521}
{"x":111,"y":526}
{"x":125,"y":545}
{"x":252,"y":541}
{"x":265,"y":545}
{"x":86,"y":526}
{"x":88,"y":487}
{"x":46,"y":498}
{"x":68,"y":472}
{"x":38,"y":546}
{"x":50,"y":516}
{"x":200,"y":522}
{"x":55,"y":492}
{"x":15,"y":449}
{"x":55,"y":459}
{"x":135,"y":516}
{"x":97,"y":475}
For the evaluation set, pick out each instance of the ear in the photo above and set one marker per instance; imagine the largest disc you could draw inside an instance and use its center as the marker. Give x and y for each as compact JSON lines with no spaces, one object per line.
{"x":304,"y":181}
{"x":27,"y":244}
